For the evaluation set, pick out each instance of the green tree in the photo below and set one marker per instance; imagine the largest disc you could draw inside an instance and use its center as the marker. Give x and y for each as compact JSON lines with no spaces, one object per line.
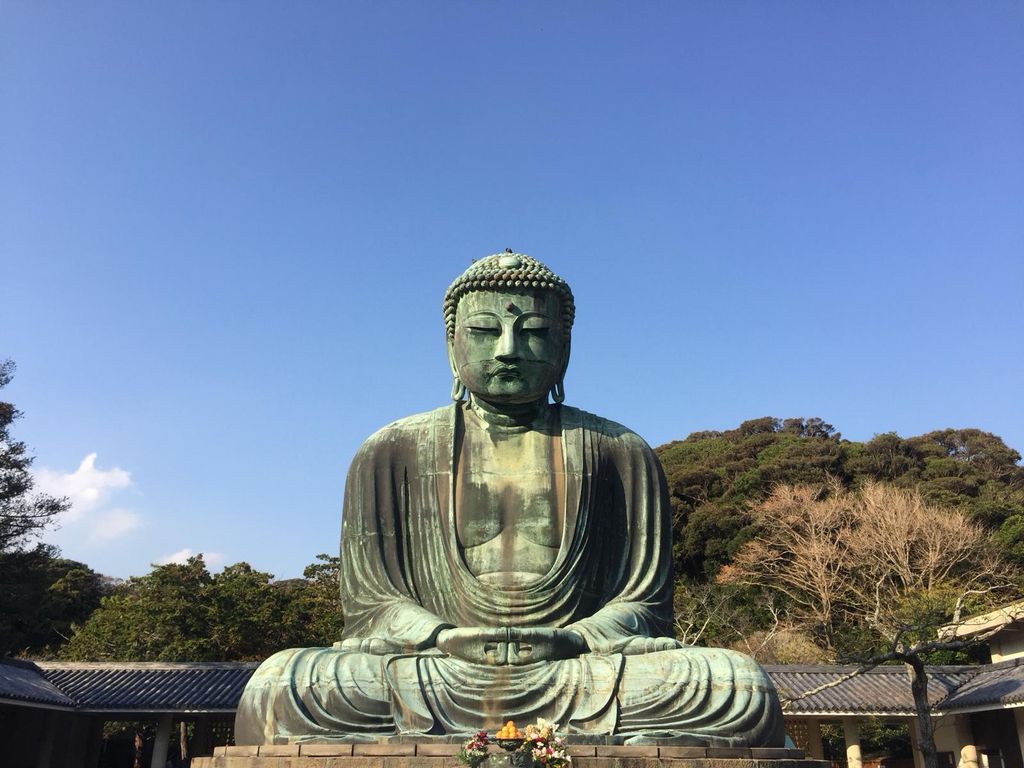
{"x":714,"y":476}
{"x":180,"y":612}
{"x":23,"y":513}
{"x":162,"y":616}
{"x":313,"y":612}
{"x":245,"y":612}
{"x":40,"y":595}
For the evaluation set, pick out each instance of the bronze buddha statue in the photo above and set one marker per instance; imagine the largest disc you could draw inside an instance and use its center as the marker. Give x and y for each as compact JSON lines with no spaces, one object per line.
{"x":505,"y":557}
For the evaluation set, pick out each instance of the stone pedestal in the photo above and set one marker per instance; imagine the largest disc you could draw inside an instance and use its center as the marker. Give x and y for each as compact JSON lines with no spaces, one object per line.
{"x":442,"y":755}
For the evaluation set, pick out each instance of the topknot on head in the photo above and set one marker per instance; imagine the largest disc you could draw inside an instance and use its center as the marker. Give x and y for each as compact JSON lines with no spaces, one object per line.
{"x":507,"y":272}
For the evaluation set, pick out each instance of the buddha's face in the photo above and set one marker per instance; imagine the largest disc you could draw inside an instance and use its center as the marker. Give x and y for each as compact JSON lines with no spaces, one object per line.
{"x":509,"y":347}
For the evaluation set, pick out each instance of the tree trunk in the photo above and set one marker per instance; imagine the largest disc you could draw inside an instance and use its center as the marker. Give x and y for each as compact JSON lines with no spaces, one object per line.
{"x":137,"y":744}
{"x":183,"y":743}
{"x":925,"y":726}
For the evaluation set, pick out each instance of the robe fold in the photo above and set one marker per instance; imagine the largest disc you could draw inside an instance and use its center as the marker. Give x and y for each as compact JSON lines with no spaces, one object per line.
{"x":403,"y":579}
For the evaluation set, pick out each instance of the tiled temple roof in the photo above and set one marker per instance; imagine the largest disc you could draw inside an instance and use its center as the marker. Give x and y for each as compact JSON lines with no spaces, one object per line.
{"x":832,"y":689}
{"x":995,"y":685}
{"x":216,"y":687}
{"x":130,"y":686}
{"x":20,"y":681}
{"x":155,"y":686}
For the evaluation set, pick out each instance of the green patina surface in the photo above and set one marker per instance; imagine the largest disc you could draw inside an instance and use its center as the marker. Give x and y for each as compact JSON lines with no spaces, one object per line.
{"x":508,"y":557}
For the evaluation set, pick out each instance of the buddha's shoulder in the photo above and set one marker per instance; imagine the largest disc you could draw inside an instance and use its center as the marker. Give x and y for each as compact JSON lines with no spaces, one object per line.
{"x":609,"y":432}
{"x":420,"y":428}
{"x":410,"y":427}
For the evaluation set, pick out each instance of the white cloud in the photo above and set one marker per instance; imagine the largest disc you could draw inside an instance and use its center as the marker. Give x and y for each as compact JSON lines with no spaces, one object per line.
{"x":212,"y":559}
{"x":92,"y":517}
{"x":87,"y":488}
{"x":179,"y":557}
{"x":113,"y":523}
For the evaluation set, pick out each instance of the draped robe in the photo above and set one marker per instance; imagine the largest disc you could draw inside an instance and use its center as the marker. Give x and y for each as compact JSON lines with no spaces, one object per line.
{"x":403,"y":579}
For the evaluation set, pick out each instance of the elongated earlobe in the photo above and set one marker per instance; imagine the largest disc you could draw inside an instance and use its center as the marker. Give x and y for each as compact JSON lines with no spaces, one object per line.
{"x":458,"y":389}
{"x":558,"y":391}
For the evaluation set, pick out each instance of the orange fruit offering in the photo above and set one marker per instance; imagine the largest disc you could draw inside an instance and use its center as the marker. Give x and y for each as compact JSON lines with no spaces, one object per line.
{"x":509,"y":731}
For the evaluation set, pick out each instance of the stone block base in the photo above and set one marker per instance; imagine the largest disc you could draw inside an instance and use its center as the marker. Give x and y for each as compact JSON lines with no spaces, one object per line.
{"x":442,"y":755}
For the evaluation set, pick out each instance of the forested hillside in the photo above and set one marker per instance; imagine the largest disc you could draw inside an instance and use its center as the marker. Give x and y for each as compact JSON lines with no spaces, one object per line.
{"x":714,"y":477}
{"x":778,"y":536}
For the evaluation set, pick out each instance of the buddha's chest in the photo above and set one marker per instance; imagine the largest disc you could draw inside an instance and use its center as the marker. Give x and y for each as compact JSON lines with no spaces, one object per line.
{"x":509,"y":502}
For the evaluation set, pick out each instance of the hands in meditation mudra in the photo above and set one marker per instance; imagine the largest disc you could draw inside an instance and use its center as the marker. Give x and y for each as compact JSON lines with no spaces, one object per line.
{"x":504,"y":557}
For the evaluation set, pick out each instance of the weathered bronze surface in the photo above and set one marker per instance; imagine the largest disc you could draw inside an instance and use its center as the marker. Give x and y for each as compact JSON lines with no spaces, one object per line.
{"x":504,"y":557}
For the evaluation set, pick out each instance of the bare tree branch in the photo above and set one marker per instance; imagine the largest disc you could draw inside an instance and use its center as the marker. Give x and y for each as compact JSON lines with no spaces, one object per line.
{"x":881,"y":558}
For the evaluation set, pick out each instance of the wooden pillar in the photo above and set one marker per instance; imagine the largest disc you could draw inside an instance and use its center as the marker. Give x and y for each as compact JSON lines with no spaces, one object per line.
{"x":815,"y":749}
{"x":95,"y":742}
{"x":49,"y":734}
{"x":851,"y":733}
{"x":76,"y":737}
{"x":202,"y":737}
{"x":968,"y":757}
{"x":163,"y":738}
{"x":1018,"y":718}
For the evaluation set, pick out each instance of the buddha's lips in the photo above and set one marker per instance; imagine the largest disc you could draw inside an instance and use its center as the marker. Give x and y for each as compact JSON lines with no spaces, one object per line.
{"x":505,"y":371}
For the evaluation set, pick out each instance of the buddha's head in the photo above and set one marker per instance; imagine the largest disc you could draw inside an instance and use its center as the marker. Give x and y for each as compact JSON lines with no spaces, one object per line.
{"x":508,"y":320}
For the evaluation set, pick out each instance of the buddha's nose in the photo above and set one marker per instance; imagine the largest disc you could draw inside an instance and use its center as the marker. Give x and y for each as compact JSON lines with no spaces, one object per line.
{"x":508,"y":347}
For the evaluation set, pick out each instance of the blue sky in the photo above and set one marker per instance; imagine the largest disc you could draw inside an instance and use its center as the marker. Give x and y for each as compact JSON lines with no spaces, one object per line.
{"x":226,"y":228}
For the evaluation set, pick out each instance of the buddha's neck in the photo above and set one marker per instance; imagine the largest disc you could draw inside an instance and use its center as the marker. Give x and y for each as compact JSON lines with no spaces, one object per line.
{"x":518,"y":417}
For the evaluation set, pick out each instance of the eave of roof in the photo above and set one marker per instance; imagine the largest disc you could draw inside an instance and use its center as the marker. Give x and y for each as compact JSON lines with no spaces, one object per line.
{"x":823,"y":689}
{"x":150,"y":687}
{"x":215,"y":687}
{"x":986,"y":622}
{"x":21,"y":683}
{"x":995,"y":685}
